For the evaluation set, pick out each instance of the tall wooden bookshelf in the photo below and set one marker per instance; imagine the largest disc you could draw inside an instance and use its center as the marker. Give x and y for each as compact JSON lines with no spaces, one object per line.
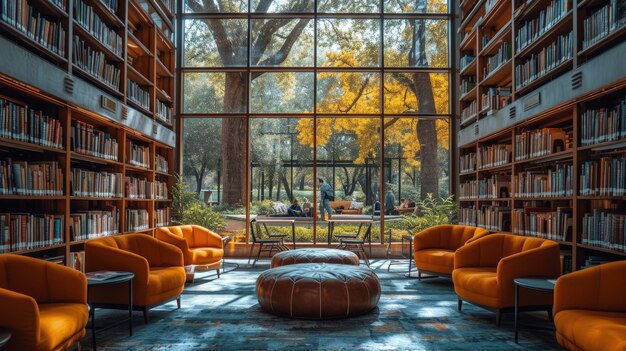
{"x":527,"y":178}
{"x":134,"y":39}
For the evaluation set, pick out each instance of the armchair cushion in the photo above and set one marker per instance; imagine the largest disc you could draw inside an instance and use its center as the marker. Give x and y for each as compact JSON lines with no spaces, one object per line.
{"x":433,"y":248}
{"x":60,"y":322}
{"x":591,"y":330}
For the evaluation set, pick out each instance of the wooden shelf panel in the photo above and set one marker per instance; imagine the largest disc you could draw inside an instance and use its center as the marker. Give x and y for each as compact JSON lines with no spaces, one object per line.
{"x":105,"y":13}
{"x":558,"y":70}
{"x":97,"y":160}
{"x":502,"y":36}
{"x":32,"y":44}
{"x":603,"y":43}
{"x":600,"y":249}
{"x":501,"y":76}
{"x":97,"y":81}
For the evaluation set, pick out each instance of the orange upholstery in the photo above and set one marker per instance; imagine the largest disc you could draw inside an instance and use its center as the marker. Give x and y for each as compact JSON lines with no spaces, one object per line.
{"x":346,"y":207}
{"x":157,"y":265}
{"x":199,"y":245}
{"x":434,"y":248}
{"x":590,"y":308}
{"x":43,"y":304}
{"x":484,"y":269}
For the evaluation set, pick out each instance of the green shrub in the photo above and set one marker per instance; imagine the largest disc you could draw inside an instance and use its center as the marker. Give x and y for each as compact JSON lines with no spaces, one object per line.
{"x":262,"y":208}
{"x":187,"y":209}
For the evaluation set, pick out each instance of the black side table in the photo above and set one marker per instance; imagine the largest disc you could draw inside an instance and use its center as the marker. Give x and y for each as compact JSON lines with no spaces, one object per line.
{"x":532,"y":283}
{"x":120,"y":278}
{"x":5,"y":336}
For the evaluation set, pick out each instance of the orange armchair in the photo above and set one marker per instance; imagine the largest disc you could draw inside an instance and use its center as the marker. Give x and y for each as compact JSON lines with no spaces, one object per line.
{"x":200,"y":246}
{"x":590,"y":308}
{"x":484,"y":271}
{"x":157,"y":265}
{"x":434,"y":248}
{"x":43,"y":304}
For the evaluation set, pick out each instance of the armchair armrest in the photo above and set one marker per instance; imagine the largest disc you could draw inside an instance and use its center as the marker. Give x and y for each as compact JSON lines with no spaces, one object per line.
{"x":213,"y":239}
{"x":426,"y":239}
{"x":99,"y":257}
{"x":65,"y":284}
{"x":542,"y":261}
{"x":20,"y":314}
{"x":603,"y":289}
{"x":169,"y":255}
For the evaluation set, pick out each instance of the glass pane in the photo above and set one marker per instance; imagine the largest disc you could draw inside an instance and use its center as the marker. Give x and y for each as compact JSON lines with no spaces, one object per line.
{"x":212,"y":42}
{"x":347,"y":159}
{"x":416,"y":43}
{"x":432,"y":93}
{"x":416,"y":166}
{"x":282,"y":42}
{"x":348,"y":92}
{"x":290,"y":6}
{"x":218,"y":6}
{"x":282,"y":175}
{"x":353,"y":6}
{"x":285,"y":92}
{"x":348,"y":43}
{"x":204,"y":92}
{"x":203,"y":172}
{"x":412,"y":6}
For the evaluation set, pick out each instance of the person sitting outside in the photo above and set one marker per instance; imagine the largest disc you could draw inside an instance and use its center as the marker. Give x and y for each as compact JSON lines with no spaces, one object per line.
{"x":411,"y":203}
{"x":295,"y":210}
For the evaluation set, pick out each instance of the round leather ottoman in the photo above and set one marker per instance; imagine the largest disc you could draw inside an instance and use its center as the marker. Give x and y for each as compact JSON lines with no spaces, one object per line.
{"x":314,"y":256}
{"x":318,"y":290}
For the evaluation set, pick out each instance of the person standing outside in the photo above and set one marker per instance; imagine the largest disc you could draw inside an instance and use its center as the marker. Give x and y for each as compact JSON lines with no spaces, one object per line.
{"x":390,"y":201}
{"x":326,"y":195}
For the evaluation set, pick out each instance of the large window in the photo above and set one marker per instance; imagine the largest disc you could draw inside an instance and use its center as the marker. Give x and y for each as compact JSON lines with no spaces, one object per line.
{"x":278,"y":93}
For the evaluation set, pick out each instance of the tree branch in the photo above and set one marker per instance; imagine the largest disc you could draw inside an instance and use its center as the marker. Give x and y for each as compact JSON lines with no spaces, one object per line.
{"x":224,"y":46}
{"x":358,"y":96}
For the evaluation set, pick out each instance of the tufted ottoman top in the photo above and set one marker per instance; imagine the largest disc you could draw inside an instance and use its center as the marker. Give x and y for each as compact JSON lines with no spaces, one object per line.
{"x":314,"y":256}
{"x":318,"y":291}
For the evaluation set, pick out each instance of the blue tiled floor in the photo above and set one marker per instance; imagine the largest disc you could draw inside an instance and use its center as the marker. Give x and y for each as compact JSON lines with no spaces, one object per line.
{"x":223,"y":314}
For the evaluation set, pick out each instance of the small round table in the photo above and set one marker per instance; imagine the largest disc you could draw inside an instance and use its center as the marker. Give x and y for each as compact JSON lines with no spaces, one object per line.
{"x":5,"y":336}
{"x":531,"y":283}
{"x":117,"y":278}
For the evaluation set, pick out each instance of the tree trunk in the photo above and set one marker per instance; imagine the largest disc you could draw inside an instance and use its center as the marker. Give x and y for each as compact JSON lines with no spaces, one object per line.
{"x":233,"y":136}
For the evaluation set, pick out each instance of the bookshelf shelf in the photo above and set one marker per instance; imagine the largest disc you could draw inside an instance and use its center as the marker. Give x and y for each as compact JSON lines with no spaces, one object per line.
{"x":561,"y":27}
{"x":97,"y":81}
{"x":469,"y":41}
{"x":81,"y":198}
{"x":470,"y":95}
{"x":602,"y":197}
{"x":133,"y":168}
{"x":138,"y":77}
{"x":603,"y":43}
{"x":495,"y":168}
{"x":31,"y":197}
{"x":500,"y":10}
{"x":49,"y":8}
{"x":557,"y":156}
{"x":92,"y":159}
{"x":547,"y":76}
{"x":501,"y":36}
{"x":105,"y":13}
{"x":601,"y":249}
{"x":608,"y":145}
{"x":499,"y":76}
{"x":95,"y":43}
{"x":474,"y":15}
{"x":21,"y":145}
{"x":162,"y":70}
{"x":39,"y":249}
{"x":470,"y":69}
{"x":136,"y":46}
{"x":539,"y":198}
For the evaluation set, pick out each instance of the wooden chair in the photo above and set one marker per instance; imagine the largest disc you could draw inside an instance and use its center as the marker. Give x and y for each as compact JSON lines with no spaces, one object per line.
{"x":265,"y":245}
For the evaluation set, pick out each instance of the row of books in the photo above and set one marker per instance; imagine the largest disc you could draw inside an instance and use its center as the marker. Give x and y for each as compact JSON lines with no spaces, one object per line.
{"x":531,"y":30}
{"x":111,"y":4}
{"x":24,"y":231}
{"x":163,"y":112}
{"x":160,"y":190}
{"x":466,"y":60}
{"x":550,"y":57}
{"x":137,"y":219}
{"x":88,"y":140}
{"x":493,"y":155}
{"x":46,"y":31}
{"x":553,"y":183}
{"x":469,"y":112}
{"x":540,"y":142}
{"x":603,"y":177}
{"x":495,"y":98}
{"x":22,"y":123}
{"x":496,"y":61}
{"x":87,"y":183}
{"x":138,"y":94}
{"x":94,"y":224}
{"x":603,"y":124}
{"x":139,"y":188}
{"x":603,"y":22}
{"x":594,"y":260}
{"x":605,"y":229}
{"x":468,"y":190}
{"x":88,"y":19}
{"x":162,"y":217}
{"x":467,"y":163}
{"x":494,"y":187}
{"x":161,"y":164}
{"x":139,"y":155}
{"x":544,"y":222}
{"x":467,"y":215}
{"x":467,"y":84}
{"x":495,"y":218}
{"x":95,"y":63}
{"x":43,"y":178}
